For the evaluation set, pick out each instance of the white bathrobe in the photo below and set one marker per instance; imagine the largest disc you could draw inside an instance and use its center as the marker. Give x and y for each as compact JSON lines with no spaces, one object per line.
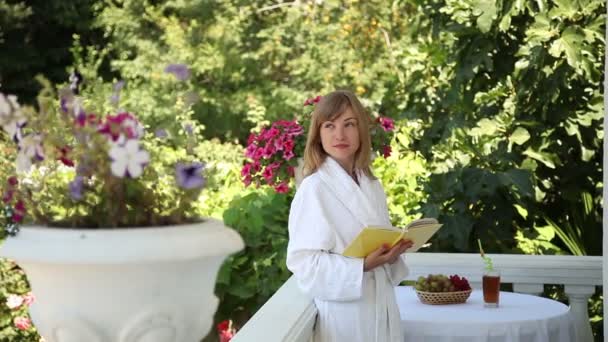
{"x":327,"y":213}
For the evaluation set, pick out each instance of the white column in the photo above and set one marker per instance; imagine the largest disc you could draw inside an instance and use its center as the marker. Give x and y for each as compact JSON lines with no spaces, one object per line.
{"x":578,"y":296}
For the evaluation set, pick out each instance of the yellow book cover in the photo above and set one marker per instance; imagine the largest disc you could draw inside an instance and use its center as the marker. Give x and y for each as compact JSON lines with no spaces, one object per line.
{"x":371,"y":238}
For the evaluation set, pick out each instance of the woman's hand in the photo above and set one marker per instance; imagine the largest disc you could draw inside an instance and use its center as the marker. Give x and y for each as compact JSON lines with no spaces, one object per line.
{"x":385,"y":254}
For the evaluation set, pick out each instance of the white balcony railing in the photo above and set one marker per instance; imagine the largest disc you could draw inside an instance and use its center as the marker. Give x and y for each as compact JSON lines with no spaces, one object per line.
{"x":528,"y":273}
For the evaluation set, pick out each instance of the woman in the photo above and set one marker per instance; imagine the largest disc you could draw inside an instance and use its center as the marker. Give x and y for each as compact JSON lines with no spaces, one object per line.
{"x":355,"y":297}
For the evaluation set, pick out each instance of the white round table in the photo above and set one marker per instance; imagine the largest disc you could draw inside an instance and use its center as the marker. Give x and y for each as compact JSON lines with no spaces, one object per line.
{"x":519,"y":318}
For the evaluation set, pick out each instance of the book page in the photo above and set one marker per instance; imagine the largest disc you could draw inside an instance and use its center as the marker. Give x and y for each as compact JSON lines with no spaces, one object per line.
{"x":421,"y":222}
{"x":372,"y":237}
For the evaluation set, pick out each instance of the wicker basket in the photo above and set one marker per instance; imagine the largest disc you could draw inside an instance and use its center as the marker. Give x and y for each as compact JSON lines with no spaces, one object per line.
{"x":437,"y":298}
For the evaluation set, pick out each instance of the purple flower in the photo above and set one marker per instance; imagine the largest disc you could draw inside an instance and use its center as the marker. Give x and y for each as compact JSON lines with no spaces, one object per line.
{"x":190,"y":176}
{"x":76,"y":187}
{"x":114,"y":98}
{"x":63,"y":103}
{"x":189,"y":129}
{"x":180,"y":71}
{"x":161,"y":133}
{"x":119,"y":85}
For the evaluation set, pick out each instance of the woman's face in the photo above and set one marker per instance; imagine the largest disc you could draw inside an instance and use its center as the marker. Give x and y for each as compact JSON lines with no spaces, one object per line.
{"x":340,"y":138}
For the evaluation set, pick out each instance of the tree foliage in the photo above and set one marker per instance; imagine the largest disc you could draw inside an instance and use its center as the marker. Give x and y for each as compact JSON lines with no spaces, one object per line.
{"x":35,"y":38}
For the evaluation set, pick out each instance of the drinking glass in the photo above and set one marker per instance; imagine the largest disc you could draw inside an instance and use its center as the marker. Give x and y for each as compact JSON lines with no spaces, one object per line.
{"x":491,"y":288}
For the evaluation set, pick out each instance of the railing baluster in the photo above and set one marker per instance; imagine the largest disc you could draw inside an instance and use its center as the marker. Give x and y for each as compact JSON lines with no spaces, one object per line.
{"x":578,"y":295}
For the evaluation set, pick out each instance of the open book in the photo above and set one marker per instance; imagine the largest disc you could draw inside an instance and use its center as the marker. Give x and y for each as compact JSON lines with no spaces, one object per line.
{"x":371,"y":238}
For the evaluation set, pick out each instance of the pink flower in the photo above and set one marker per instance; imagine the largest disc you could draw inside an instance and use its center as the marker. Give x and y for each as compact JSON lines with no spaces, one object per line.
{"x":22,"y":323}
{"x":247,"y":180}
{"x":256,"y":166}
{"x":12,"y":181}
{"x":279,"y":143}
{"x":122,"y":123}
{"x":271,"y":133}
{"x":290,"y":171}
{"x":63,"y":156}
{"x":386,"y":151}
{"x":223,"y":325}
{"x":274,"y":166}
{"x":7,"y":196}
{"x":251,"y":138}
{"x":311,"y":101}
{"x":226,"y":330}
{"x":289,"y":145}
{"x":268,"y":151}
{"x":14,"y":301}
{"x":226,"y":336}
{"x":268,"y":174}
{"x":281,"y":188}
{"x":387,"y":123}
{"x":258,"y":153}
{"x":246,"y":170}
{"x":19,"y":211}
{"x":29,"y":298}
{"x":288,"y":155}
{"x":250,"y":151}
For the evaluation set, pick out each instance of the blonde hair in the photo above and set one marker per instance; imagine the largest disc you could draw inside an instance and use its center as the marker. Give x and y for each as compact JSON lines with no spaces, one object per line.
{"x":330,"y":107}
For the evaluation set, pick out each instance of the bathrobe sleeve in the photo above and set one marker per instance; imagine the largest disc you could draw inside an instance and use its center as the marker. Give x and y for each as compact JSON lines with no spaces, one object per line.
{"x":320,"y":272}
{"x":399,"y":270}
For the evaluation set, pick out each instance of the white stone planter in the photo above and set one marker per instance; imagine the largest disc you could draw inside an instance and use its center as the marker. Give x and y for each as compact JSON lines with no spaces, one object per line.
{"x":123,"y":285}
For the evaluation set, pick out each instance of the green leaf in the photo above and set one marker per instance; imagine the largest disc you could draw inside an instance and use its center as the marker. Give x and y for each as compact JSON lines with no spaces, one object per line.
{"x":459,"y":229}
{"x":484,"y":127}
{"x":545,"y":158}
{"x":545,"y":232}
{"x":521,"y":179}
{"x":488,"y":14}
{"x":521,"y":211}
{"x":570,"y":44}
{"x":242,"y":290}
{"x":540,"y":31}
{"x":564,"y":9}
{"x":519,"y":136}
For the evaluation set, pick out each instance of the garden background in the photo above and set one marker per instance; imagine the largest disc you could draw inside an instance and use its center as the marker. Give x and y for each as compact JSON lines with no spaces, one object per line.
{"x":498,"y":107}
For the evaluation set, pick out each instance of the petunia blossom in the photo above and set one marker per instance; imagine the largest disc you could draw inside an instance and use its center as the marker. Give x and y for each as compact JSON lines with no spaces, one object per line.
{"x":13,"y":127}
{"x":18,"y":211}
{"x":312,"y":101}
{"x":190,"y":176}
{"x":161,"y":133}
{"x":22,"y":323}
{"x":14,"y":301}
{"x":121,"y":124}
{"x":281,"y":188}
{"x":76,"y":186}
{"x":387,"y":123}
{"x":29,"y":298}
{"x":386,"y":151}
{"x":128,"y":160}
{"x":30,"y":147}
{"x":180,"y":71}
